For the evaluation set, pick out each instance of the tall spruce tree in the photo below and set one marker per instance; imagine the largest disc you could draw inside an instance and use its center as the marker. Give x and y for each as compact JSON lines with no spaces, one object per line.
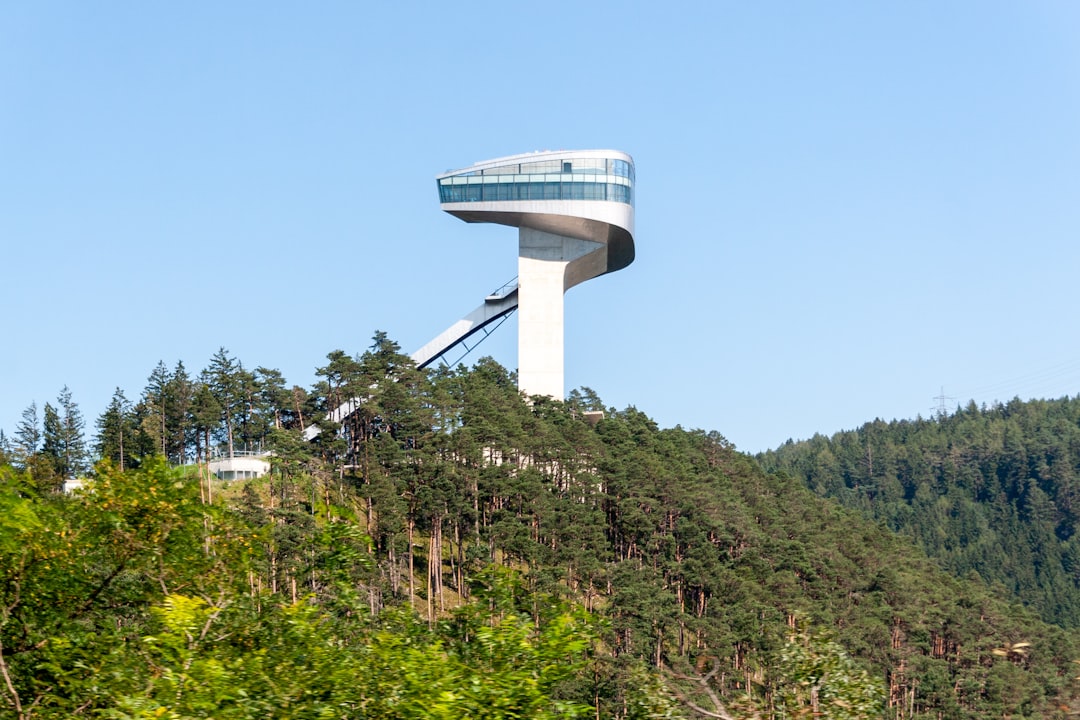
{"x":115,"y":431}
{"x":179,"y":395}
{"x":49,"y":471}
{"x":7,"y":449}
{"x":223,"y":377}
{"x":73,"y":437}
{"x":153,"y":413}
{"x":28,"y":435}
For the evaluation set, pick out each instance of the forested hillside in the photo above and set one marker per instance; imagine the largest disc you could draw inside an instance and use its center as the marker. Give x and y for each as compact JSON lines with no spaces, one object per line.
{"x":992,"y":490}
{"x":454,"y":551}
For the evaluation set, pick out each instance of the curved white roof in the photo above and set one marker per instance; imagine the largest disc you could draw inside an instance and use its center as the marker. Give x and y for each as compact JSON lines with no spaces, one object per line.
{"x":538,"y":156}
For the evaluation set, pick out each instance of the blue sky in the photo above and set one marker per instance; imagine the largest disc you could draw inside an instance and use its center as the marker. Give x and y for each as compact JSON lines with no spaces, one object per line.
{"x":844,"y":209}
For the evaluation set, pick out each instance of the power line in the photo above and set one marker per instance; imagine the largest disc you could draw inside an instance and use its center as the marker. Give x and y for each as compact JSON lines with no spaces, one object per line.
{"x":1056,"y":380}
{"x":940,"y":408}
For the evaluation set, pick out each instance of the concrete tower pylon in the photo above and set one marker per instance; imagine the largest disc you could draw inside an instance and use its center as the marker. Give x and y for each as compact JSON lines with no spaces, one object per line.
{"x":543,"y":260}
{"x":575,"y":214}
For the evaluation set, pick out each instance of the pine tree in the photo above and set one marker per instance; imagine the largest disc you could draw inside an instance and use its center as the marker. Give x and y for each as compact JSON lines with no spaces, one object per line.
{"x":275,"y":399}
{"x":205,"y":419}
{"x":251,"y":415}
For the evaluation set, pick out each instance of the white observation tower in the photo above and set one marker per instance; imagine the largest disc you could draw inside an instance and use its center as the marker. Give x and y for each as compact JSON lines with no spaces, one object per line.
{"x":574,"y":211}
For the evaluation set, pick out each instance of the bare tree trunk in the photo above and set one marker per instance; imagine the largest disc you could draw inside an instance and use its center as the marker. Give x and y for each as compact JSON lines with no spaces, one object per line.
{"x":412,"y":580}
{"x":394,"y":582}
{"x":273,"y":550}
{"x":435,"y":552}
{"x":296,"y":404}
{"x":7,"y":682}
{"x":431,"y":579}
{"x":370,"y":505}
{"x":459,"y":569}
{"x":476,"y":508}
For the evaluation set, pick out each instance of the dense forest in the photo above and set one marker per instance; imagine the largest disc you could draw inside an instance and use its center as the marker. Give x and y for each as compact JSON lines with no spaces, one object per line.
{"x":990,"y":492}
{"x":451,"y":549}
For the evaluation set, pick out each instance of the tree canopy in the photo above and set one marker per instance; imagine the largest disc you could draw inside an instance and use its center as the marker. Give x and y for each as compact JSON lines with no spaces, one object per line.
{"x":453,"y":549}
{"x":988,"y":492}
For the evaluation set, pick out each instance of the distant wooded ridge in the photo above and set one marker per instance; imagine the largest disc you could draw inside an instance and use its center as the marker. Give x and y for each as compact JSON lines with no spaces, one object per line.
{"x":992,"y":491}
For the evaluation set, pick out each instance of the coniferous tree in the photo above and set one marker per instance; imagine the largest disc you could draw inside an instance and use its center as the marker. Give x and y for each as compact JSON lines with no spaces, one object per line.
{"x":205,"y":419}
{"x":164,"y":412}
{"x":28,"y":435}
{"x":7,"y":449}
{"x":253,"y":418}
{"x":154,"y":410}
{"x":227,"y":381}
{"x":52,"y":444}
{"x":692,"y":559}
{"x":992,"y":491}
{"x":274,"y":399}
{"x":116,"y":432}
{"x":50,"y":470}
{"x":179,"y":395}
{"x":72,"y":439}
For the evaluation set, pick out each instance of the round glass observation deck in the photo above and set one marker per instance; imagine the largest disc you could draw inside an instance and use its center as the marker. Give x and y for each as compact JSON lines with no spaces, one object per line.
{"x":543,"y":176}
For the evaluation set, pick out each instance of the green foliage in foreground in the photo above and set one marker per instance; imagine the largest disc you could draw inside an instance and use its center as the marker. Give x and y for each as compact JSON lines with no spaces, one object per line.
{"x":121,"y":603}
{"x":296,"y":661}
{"x":820,"y":676}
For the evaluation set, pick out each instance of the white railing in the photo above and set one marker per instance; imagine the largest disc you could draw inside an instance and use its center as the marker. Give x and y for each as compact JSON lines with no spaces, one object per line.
{"x":222,"y":453}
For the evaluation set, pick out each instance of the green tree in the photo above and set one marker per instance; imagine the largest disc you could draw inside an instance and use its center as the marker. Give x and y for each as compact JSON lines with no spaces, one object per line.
{"x":225,"y":378}
{"x":155,"y":409}
{"x":274,"y":399}
{"x":52,"y":444}
{"x":78,"y":573}
{"x":817,"y":678}
{"x":116,"y":429}
{"x":179,"y":396}
{"x":205,"y":419}
{"x":28,"y":435}
{"x":72,"y":437}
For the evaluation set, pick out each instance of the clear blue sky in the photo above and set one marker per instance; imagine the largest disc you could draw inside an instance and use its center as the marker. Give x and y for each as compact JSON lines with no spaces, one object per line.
{"x":842,"y":207}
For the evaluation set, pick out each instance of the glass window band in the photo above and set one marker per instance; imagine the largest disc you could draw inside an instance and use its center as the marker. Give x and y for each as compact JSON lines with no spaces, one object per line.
{"x":484,"y":190}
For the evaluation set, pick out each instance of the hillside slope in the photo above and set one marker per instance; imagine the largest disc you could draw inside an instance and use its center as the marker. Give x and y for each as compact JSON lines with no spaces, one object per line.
{"x":689,"y":559}
{"x":747,"y":555}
